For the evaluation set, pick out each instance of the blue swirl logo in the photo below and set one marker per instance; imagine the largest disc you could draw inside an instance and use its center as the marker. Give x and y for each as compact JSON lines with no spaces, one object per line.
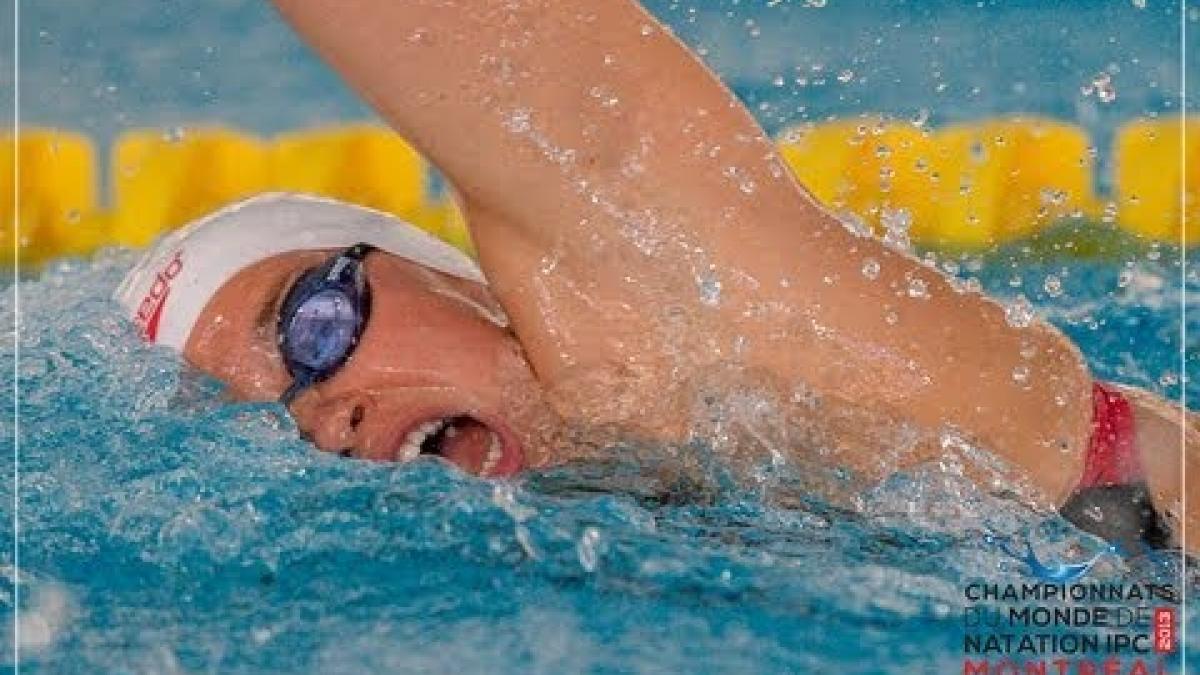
{"x":1055,"y":571}
{"x":1065,"y":573}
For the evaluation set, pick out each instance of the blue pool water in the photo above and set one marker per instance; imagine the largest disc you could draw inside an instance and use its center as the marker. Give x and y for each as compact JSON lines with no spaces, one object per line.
{"x":164,"y":529}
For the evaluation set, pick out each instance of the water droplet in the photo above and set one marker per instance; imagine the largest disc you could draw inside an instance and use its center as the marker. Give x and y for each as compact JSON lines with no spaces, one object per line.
{"x":1110,"y":212}
{"x":845,"y":76}
{"x":647,"y":29}
{"x":741,"y":344}
{"x":1020,"y":374}
{"x":710,"y":289}
{"x":744,"y":182}
{"x":605,"y":96}
{"x":775,"y":167}
{"x":1102,"y":86}
{"x":1028,"y":349}
{"x":1140,"y":4}
{"x":778,"y":81}
{"x":917,"y":288}
{"x":1053,"y":197}
{"x":896,"y":223}
{"x":978,"y":153}
{"x":1019,"y":312}
{"x":586,"y":549}
{"x":891,"y":317}
{"x":174,"y":134}
{"x":870,"y":269}
{"x":1053,"y":286}
{"x":518,"y":121}
{"x":1168,"y":379}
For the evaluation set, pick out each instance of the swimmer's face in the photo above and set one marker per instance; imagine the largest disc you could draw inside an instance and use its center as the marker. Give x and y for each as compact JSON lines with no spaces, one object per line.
{"x":435,"y":371}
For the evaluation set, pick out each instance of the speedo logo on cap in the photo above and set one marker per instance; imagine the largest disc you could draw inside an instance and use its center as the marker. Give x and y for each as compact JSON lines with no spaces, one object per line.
{"x":150,"y":309}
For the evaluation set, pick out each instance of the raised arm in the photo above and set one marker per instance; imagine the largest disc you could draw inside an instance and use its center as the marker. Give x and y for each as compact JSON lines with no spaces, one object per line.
{"x":606,"y":172}
{"x":642,"y":232}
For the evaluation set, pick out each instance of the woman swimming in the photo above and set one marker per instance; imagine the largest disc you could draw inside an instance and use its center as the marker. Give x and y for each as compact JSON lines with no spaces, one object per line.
{"x":642,"y":244}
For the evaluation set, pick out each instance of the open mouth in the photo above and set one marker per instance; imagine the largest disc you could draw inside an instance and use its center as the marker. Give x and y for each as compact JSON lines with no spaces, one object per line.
{"x":465,"y":441}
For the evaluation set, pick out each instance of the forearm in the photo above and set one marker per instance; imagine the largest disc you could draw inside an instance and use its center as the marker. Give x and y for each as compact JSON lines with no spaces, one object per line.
{"x":532,"y":107}
{"x":640,"y":229}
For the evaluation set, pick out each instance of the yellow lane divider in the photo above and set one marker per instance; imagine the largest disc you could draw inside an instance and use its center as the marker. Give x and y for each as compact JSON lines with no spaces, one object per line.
{"x":1152,"y":198}
{"x":969,"y":186}
{"x":161,"y":181}
{"x":57,"y":209}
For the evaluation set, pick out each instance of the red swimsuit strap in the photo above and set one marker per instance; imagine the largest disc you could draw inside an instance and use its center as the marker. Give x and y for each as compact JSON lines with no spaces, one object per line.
{"x":1112,"y":458}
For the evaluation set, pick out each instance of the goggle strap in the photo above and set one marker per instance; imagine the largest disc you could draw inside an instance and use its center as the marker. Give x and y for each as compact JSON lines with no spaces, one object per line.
{"x":298,"y":385}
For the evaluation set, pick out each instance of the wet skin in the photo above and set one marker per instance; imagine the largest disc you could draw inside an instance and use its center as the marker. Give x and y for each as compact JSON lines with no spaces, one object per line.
{"x":435,"y":351}
{"x":438,"y":349}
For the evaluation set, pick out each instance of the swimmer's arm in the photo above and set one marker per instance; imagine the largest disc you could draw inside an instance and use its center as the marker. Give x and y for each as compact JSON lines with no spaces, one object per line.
{"x":640,"y":229}
{"x":577,"y":132}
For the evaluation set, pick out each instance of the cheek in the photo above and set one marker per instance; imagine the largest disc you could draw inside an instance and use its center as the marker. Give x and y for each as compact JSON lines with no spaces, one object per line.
{"x":465,"y":354}
{"x":481,"y":356}
{"x":253,"y":374}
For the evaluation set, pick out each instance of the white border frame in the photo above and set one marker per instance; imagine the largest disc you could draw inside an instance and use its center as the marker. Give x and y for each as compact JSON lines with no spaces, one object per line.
{"x":16,"y":333}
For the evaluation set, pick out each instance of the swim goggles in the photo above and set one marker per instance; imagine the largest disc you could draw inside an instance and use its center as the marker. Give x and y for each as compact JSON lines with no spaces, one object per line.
{"x":322,"y":319}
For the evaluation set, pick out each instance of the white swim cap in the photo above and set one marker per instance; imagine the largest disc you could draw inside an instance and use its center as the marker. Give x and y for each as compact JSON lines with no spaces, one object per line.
{"x":169,"y":287}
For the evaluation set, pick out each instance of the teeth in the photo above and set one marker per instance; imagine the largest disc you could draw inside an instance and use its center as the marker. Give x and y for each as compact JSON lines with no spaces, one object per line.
{"x":411,"y":448}
{"x":495,"y":452}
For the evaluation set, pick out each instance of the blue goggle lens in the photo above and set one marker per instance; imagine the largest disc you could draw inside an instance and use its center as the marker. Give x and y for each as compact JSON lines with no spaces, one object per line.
{"x":322,"y":319}
{"x":322,"y":332}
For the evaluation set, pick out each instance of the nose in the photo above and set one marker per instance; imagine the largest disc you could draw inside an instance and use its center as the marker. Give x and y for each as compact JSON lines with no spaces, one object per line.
{"x":333,"y":425}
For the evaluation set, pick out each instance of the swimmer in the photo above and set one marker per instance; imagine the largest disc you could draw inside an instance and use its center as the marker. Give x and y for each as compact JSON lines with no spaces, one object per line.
{"x":640,"y":243}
